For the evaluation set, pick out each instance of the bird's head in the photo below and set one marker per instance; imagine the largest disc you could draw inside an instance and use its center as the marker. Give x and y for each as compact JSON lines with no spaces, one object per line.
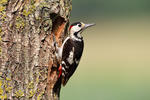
{"x":78,"y":27}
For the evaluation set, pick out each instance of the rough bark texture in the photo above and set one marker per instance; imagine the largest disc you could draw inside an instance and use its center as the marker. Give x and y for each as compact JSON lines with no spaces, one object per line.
{"x":28,"y":65}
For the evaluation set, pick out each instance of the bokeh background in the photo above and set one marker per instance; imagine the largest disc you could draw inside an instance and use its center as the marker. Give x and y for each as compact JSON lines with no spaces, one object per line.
{"x":116,"y":61}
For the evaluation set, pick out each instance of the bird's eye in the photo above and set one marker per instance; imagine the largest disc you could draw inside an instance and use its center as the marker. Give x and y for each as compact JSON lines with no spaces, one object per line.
{"x":79,"y":25}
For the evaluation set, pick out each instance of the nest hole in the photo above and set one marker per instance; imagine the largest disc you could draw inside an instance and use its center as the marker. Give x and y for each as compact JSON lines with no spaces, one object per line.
{"x":58,"y":25}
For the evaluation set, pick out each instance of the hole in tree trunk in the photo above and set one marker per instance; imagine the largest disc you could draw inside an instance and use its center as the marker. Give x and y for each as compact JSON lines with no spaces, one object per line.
{"x":58,"y":25}
{"x":58,"y":28}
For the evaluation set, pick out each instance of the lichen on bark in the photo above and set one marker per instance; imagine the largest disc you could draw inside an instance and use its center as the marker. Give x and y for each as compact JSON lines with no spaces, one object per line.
{"x":28,"y":65}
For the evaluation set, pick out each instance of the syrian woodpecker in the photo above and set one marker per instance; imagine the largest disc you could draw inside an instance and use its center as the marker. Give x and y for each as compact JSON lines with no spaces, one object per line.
{"x":71,"y":51}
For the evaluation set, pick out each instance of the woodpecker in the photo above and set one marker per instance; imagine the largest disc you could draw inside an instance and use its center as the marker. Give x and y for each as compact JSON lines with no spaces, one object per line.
{"x":71,"y":51}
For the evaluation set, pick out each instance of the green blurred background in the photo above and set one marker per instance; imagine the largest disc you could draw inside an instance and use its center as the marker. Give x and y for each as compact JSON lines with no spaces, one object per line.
{"x":116,"y":61}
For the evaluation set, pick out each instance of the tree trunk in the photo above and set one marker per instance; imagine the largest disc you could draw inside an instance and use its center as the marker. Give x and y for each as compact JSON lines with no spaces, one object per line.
{"x":28,"y":65}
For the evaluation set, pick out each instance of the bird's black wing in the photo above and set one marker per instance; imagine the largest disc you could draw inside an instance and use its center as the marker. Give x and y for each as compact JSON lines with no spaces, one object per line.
{"x":71,"y":55}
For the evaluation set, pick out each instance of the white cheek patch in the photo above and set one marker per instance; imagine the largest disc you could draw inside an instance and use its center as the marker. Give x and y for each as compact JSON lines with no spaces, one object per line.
{"x":75,"y":29}
{"x":70,"y":58}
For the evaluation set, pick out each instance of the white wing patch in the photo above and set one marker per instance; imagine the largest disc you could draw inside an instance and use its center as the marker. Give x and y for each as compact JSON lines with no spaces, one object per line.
{"x":70,"y":58}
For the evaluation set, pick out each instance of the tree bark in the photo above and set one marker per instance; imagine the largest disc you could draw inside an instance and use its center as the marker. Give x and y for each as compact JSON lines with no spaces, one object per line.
{"x":28,"y":65}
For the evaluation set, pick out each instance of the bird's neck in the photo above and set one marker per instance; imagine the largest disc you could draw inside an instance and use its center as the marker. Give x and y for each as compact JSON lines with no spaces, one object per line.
{"x":76,"y":36}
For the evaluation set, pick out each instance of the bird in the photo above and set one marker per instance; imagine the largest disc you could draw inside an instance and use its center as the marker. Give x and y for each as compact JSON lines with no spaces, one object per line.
{"x":71,"y":51}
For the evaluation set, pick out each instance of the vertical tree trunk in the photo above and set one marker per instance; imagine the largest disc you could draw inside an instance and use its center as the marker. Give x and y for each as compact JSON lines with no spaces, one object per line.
{"x":28,"y":65}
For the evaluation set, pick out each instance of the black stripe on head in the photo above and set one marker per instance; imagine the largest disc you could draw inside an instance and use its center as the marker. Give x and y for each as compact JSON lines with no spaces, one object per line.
{"x":73,"y":24}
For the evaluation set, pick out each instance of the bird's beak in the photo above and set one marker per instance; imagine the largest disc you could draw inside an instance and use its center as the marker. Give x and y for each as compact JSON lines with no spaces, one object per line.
{"x":88,"y":25}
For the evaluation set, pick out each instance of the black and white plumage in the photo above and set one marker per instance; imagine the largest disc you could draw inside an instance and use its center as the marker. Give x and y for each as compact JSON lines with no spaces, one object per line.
{"x":71,"y":51}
